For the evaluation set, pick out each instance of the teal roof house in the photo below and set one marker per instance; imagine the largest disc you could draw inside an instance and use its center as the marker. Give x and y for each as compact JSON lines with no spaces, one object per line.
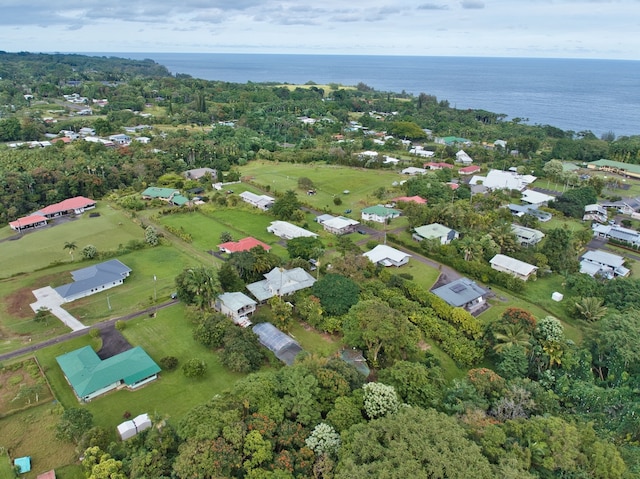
{"x":90,"y":376}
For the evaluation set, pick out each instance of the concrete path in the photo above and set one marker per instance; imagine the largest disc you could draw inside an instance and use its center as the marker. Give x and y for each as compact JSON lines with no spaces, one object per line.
{"x":47,"y":297}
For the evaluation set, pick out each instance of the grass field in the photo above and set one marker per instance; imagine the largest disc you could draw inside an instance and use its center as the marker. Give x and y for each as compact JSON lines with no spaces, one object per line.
{"x":168,"y":334}
{"x":329,"y":181}
{"x":32,"y":433}
{"x":40,"y":248}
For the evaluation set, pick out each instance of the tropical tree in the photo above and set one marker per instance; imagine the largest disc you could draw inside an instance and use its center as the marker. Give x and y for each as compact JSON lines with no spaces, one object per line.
{"x":336,"y":293}
{"x":198,"y":286}
{"x":591,"y":308}
{"x":73,"y":424}
{"x":70,"y":246}
{"x":511,"y":335}
{"x":285,"y":206}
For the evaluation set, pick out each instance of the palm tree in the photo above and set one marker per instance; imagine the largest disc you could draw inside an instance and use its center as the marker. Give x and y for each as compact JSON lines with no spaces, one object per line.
{"x":511,"y":335}
{"x":71,"y":246}
{"x":591,"y":309}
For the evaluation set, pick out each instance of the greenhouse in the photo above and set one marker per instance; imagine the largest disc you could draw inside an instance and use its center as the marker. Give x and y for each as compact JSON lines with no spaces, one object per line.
{"x":283,"y":346}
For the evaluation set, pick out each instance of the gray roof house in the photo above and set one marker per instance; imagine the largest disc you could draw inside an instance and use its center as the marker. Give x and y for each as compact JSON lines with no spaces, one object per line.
{"x":197,"y":173}
{"x":602,"y":263}
{"x":463,"y":293}
{"x":283,"y":346}
{"x":238,"y":306}
{"x":527,"y":236}
{"x":281,"y":282}
{"x":93,"y":279}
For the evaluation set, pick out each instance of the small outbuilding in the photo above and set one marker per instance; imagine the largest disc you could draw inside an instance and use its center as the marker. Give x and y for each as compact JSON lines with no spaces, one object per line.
{"x":282,"y":345}
{"x":23,"y":464}
{"x":130,"y":428}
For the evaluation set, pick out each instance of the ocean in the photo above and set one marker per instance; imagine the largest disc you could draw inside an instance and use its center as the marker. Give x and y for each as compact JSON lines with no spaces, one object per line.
{"x":571,"y":94}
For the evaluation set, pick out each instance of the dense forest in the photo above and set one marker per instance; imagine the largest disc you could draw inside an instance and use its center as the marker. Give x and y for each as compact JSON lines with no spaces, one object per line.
{"x":532,"y":404}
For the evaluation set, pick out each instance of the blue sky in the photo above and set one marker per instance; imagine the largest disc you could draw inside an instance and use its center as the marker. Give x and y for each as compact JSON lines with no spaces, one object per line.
{"x":608,"y":29}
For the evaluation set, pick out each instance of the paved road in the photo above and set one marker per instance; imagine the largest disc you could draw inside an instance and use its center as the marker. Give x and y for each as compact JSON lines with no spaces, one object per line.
{"x":74,"y":334}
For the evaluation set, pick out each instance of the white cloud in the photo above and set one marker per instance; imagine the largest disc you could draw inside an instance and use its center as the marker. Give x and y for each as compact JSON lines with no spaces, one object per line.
{"x":548,"y":28}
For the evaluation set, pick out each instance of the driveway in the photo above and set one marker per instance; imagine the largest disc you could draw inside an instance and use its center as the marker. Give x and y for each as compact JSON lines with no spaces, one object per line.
{"x":47,"y":297}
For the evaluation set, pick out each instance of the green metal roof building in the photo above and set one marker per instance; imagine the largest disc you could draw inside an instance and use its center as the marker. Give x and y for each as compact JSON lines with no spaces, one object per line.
{"x":90,"y":376}
{"x":618,"y":167}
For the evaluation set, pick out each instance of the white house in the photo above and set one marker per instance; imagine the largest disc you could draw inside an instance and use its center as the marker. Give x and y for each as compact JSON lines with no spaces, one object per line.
{"x":285,"y":230}
{"x":236,"y":305}
{"x":387,"y":256}
{"x":512,"y":266}
{"x":379,"y":214}
{"x":435,"y":231}
{"x":262,"y":202}
{"x":412,"y":171}
{"x":503,"y":180}
{"x":94,"y":279}
{"x":463,"y":157}
{"x":536,"y":198}
{"x":120,"y":139}
{"x":618,"y":233}
{"x":420,"y":151}
{"x":339,"y":225}
{"x":604,"y":264}
{"x":595,"y":212}
{"x":527,"y":236}
{"x":281,"y":282}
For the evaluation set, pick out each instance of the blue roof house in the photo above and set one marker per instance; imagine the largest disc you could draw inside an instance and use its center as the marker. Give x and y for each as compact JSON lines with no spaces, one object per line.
{"x":93,"y":279}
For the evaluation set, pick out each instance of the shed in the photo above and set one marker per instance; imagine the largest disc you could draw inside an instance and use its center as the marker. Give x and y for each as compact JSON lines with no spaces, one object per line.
{"x":283,"y":346}
{"x":134,"y":426}
{"x":23,"y":464}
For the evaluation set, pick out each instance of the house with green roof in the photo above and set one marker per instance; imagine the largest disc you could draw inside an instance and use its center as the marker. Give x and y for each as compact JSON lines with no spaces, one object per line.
{"x":379,"y":214}
{"x":435,"y":231}
{"x":90,"y":376}
{"x":170,"y":195}
{"x":617,"y":167}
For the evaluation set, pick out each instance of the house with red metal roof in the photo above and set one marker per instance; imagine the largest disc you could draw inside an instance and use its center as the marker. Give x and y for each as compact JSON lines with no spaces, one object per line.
{"x":432,"y":165}
{"x":469,"y":170}
{"x":410,"y":199}
{"x":28,"y":222}
{"x":245,"y":244}
{"x":75,"y":205}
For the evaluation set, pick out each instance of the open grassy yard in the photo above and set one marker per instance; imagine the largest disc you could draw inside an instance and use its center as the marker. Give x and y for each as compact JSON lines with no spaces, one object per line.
{"x":139,"y":289}
{"x":329,"y":181}
{"x":172,"y":395}
{"x":312,"y":341}
{"x":32,"y":433}
{"x":536,"y":299}
{"x":42,"y":247}
{"x":17,"y":323}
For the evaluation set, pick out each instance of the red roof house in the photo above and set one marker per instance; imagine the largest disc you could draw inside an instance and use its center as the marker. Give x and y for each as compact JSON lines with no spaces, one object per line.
{"x":410,"y":199}
{"x":469,"y":170}
{"x":77,"y":204}
{"x":245,"y":244}
{"x":26,"y":222}
{"x":437,"y":166}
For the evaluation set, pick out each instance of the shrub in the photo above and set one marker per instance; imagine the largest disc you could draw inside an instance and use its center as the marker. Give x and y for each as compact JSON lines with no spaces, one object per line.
{"x":169,"y":363}
{"x":120,"y":325}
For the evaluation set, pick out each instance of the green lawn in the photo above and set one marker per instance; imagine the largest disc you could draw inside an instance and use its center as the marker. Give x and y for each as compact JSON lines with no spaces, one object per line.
{"x":536,"y":299}
{"x":172,"y":395}
{"x":312,"y":341}
{"x":139,"y":289}
{"x":329,"y":181}
{"x":38,"y":249}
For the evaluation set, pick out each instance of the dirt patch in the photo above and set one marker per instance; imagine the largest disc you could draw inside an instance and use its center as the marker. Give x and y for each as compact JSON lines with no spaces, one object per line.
{"x":17,"y":303}
{"x":113,"y":342}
